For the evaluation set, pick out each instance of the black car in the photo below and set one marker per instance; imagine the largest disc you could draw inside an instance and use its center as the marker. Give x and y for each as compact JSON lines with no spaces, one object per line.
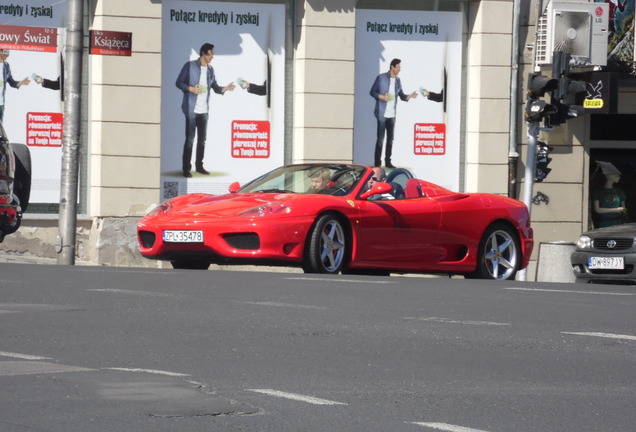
{"x":606,"y":255}
{"x":15,"y":183}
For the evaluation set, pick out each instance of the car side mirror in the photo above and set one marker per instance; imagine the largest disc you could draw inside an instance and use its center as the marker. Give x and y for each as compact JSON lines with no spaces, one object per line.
{"x":377,"y":189}
{"x":234,"y":187}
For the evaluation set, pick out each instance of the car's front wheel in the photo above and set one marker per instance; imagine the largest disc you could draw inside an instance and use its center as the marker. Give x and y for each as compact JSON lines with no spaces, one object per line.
{"x":190,"y":264}
{"x":327,"y":246}
{"x":499,"y":254}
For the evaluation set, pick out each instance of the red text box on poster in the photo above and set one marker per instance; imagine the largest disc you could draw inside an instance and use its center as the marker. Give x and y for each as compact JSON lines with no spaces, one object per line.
{"x":430,"y":139}
{"x":44,"y":129}
{"x":38,"y":39}
{"x":250,"y":139}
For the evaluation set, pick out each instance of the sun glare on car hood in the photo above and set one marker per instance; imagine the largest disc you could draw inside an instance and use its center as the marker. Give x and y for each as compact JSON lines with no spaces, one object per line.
{"x":232,"y":205}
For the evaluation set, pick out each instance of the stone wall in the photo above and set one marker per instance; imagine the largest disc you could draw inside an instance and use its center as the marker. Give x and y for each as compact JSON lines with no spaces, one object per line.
{"x":110,"y":241}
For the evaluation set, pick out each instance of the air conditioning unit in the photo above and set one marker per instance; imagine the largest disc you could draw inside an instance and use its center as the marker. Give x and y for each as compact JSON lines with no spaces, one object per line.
{"x":578,"y":28}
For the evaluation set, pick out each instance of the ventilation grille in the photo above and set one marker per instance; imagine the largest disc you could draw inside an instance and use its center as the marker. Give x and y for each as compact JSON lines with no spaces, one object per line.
{"x":573,"y":33}
{"x":541,"y":48}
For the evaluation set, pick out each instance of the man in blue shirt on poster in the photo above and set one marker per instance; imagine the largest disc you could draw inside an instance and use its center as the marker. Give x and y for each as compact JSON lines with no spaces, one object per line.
{"x":7,"y":78}
{"x":385,"y":90}
{"x":195,"y":80}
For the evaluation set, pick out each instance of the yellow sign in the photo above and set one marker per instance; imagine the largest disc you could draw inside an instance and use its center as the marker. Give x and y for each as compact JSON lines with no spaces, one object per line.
{"x":593,"y":103}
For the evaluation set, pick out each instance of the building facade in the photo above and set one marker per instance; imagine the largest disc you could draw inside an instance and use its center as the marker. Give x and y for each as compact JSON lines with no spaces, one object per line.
{"x":319,"y":58}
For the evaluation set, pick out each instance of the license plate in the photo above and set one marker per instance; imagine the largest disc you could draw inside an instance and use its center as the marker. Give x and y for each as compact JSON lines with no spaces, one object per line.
{"x":183,"y":236}
{"x":612,"y":263}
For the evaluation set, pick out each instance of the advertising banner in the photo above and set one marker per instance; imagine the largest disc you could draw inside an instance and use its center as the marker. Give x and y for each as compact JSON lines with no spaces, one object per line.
{"x":31,"y":44}
{"x":28,"y":38}
{"x":234,"y":100}
{"x":620,"y":38}
{"x":426,"y":127}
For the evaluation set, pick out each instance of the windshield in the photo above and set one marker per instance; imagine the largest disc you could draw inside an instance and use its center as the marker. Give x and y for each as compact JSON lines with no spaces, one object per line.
{"x":326,"y":179}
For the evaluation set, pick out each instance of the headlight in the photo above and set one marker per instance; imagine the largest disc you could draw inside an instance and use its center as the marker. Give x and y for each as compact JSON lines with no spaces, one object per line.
{"x":161,"y":209}
{"x":584,"y":242}
{"x":269,"y":209}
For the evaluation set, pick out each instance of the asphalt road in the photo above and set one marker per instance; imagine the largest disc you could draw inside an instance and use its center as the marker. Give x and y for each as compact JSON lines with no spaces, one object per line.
{"x":120,"y":349}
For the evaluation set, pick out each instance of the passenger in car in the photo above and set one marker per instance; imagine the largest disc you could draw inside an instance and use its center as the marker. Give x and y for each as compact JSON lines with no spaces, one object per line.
{"x":319,"y":180}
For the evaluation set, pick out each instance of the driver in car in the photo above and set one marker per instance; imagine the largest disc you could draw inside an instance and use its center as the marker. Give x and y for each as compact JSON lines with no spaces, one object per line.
{"x":379,"y":175}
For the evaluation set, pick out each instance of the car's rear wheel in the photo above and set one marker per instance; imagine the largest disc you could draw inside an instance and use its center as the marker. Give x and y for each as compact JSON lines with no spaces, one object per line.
{"x":190,"y":264}
{"x":327,"y":246}
{"x":499,"y":254}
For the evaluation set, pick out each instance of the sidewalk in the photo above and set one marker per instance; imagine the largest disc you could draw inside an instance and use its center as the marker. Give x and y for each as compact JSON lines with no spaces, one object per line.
{"x":32,"y":259}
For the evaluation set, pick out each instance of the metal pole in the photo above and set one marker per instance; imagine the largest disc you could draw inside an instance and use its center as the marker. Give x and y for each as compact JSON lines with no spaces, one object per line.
{"x":531,"y":161}
{"x":513,"y":154}
{"x":528,"y":181}
{"x":65,"y":244}
{"x":533,"y":138}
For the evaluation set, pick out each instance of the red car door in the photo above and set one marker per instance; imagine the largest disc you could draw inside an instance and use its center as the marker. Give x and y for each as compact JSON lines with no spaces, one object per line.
{"x":400,"y":233}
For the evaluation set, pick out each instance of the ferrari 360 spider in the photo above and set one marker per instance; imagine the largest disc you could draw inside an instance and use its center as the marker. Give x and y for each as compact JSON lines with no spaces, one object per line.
{"x":400,"y":225}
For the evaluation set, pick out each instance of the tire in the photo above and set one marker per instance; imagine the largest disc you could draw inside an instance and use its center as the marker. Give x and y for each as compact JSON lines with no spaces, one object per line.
{"x":190,"y":264}
{"x":327,"y":246}
{"x":366,"y":272}
{"x":499,"y":254}
{"x":10,"y":229}
{"x":22,"y":176}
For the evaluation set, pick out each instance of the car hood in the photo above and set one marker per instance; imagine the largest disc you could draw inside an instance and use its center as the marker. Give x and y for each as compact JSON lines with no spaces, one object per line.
{"x":628,"y":229}
{"x":231,"y":205}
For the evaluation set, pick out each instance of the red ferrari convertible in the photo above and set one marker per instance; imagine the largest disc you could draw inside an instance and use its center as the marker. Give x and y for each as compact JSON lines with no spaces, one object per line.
{"x":402,"y":224}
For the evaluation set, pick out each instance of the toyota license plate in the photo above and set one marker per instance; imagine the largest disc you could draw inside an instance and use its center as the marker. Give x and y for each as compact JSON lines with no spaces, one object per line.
{"x":182,"y":236}
{"x":610,"y":263}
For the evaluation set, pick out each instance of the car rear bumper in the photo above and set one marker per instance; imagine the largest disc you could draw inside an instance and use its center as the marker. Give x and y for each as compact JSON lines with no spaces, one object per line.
{"x":10,"y":217}
{"x":526,"y":234}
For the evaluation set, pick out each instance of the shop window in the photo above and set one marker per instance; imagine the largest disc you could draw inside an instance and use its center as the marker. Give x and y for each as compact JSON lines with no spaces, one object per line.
{"x":612,"y":127}
{"x":612,"y":193}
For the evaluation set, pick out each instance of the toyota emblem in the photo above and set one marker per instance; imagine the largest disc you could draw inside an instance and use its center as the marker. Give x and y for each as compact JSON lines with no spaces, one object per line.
{"x":611,"y":244}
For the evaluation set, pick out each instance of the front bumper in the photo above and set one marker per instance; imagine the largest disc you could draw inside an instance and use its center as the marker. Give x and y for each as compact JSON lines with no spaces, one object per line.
{"x":246,"y":240}
{"x":579,"y":260}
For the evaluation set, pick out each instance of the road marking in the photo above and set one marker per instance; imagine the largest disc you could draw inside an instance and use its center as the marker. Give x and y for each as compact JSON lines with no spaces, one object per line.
{"x":284,"y":305}
{"x":161,"y":272}
{"x":22,"y":356}
{"x":447,"y":427}
{"x":602,"y":335}
{"x":340,"y":280}
{"x":571,"y":291}
{"x":16,"y":368}
{"x":296,"y":397}
{"x":152,"y":371}
{"x":133,"y":292}
{"x":450,"y":321}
